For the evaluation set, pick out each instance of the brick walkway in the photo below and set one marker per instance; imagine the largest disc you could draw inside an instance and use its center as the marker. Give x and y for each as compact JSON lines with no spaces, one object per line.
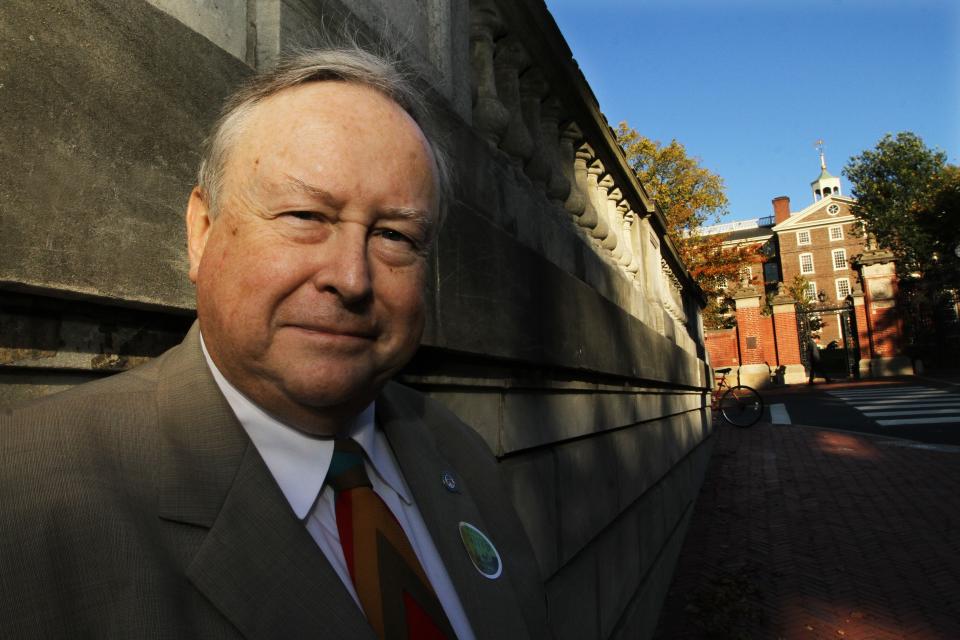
{"x":806,"y":533}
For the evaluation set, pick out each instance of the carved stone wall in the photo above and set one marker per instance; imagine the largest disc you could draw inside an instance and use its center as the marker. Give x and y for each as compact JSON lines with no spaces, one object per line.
{"x":563,"y":326}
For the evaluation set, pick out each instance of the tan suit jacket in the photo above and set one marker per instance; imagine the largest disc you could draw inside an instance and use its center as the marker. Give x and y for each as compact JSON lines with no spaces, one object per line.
{"x":137,"y":507}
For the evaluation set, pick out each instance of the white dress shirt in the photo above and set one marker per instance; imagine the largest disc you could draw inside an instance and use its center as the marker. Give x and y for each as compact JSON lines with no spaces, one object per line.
{"x":299,"y":463}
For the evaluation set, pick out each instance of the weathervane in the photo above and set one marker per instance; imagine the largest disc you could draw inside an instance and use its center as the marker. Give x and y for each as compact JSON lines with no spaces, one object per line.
{"x":819,"y":146}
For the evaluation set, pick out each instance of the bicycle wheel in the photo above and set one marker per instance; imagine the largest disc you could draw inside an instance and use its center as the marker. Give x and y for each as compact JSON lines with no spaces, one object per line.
{"x":741,"y":406}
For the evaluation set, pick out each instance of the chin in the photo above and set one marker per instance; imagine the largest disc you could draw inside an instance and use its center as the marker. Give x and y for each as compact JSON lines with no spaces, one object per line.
{"x":334,"y":390}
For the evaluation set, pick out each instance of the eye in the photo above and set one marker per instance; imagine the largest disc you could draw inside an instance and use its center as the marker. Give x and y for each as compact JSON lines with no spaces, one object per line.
{"x":309,"y":216}
{"x":394,"y":236}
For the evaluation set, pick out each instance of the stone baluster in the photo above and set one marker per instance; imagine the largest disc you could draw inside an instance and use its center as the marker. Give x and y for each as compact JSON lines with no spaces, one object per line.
{"x":630,"y":246}
{"x":510,"y":59}
{"x":532,"y":89}
{"x":612,"y":242}
{"x":490,"y":117}
{"x":618,"y":206}
{"x":558,"y":187}
{"x":602,"y":232}
{"x":589,"y":220}
{"x":575,"y":202}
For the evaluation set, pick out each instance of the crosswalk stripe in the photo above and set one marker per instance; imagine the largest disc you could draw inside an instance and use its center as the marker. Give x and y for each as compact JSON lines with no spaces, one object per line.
{"x":913,"y":412}
{"x":888,"y":403}
{"x":891,"y":423}
{"x":895,"y":406}
{"x":778,"y":414}
{"x":885,"y":388}
{"x":905,"y":399}
{"x":888,"y":394}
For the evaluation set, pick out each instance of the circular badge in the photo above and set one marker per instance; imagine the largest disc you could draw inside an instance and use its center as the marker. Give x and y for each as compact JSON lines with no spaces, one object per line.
{"x":449,"y":482}
{"x":483,"y":554}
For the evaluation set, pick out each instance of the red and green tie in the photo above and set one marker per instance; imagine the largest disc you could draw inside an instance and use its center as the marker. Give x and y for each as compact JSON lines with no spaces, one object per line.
{"x":392,"y":586}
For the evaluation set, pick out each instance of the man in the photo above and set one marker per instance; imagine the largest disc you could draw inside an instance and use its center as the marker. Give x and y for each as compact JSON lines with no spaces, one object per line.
{"x":198,"y":496}
{"x":813,"y":359}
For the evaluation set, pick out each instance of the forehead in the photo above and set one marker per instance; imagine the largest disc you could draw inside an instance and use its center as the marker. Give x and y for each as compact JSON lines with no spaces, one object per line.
{"x":332,"y":127}
{"x":329,"y":106}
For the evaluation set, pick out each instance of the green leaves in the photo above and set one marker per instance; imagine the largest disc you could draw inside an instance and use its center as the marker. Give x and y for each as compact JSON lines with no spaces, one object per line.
{"x":907,"y":199}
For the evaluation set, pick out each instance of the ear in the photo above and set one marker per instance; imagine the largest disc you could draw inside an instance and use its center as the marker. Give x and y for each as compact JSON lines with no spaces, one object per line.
{"x":199,"y":224}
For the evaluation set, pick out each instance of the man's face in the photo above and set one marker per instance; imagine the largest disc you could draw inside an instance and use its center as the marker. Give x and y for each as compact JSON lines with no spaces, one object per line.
{"x":310,"y":280}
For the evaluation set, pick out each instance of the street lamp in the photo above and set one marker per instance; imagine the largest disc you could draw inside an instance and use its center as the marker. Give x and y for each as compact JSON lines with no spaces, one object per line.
{"x":821,"y":296}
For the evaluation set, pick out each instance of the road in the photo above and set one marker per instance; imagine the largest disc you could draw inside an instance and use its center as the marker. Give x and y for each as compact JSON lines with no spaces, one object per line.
{"x":918,"y":409}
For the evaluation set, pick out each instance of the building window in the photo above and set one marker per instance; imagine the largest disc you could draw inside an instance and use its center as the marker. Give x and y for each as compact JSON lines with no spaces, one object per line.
{"x":806,"y":262}
{"x":746,"y":275}
{"x":839,"y":259}
{"x":836,"y":232}
{"x":812,"y":291}
{"x":803,"y":237}
{"x":770,"y":272}
{"x":843,"y":288}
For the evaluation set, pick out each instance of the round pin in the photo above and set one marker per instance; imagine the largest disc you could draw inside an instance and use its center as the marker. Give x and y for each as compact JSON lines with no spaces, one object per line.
{"x":483,"y":554}
{"x":449,"y":482}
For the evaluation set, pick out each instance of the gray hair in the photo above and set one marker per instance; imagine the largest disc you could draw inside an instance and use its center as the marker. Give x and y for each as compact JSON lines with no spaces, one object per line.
{"x":345,"y":64}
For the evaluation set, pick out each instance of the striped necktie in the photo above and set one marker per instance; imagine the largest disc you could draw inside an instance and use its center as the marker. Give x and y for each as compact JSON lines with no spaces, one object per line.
{"x":390,"y":582}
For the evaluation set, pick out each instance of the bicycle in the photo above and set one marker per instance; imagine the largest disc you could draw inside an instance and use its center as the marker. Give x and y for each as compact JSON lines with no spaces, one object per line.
{"x":740,"y":405}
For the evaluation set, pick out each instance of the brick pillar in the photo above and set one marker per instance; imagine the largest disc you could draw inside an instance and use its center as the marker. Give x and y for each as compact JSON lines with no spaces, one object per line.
{"x":863,"y":329}
{"x":878,"y":274}
{"x":754,"y":370}
{"x":790,"y":368}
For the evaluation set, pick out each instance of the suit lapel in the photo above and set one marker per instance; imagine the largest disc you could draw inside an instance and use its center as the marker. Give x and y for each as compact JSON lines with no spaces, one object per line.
{"x":257,"y":564}
{"x":490,"y":605}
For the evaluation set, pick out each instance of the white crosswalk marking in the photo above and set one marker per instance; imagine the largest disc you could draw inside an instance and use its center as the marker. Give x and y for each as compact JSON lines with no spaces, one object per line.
{"x":913,"y":404}
{"x":778,"y":414}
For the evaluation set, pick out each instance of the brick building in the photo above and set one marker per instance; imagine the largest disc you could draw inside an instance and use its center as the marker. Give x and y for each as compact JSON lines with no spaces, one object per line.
{"x":821,"y":244}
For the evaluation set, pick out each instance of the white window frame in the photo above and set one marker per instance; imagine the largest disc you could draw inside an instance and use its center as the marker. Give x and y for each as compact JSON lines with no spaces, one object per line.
{"x":746,"y":274}
{"x":801,"y":243}
{"x":833,"y":259}
{"x":836,"y":284}
{"x":812,"y":290}
{"x":836,"y":227}
{"x":812,"y":270}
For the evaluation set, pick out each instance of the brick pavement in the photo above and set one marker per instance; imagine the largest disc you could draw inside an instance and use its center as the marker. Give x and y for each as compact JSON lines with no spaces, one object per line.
{"x":807,"y":533}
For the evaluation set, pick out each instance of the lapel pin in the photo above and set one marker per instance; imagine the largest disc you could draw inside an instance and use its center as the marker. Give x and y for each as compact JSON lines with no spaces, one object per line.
{"x":449,"y":482}
{"x":483,"y":554}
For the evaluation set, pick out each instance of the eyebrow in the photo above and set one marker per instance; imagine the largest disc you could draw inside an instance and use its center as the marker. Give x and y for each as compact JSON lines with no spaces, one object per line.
{"x":417,"y":216}
{"x":296,"y":184}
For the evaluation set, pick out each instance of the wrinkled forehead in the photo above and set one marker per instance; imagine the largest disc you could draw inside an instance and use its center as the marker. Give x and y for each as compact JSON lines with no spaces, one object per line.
{"x":341,"y":126}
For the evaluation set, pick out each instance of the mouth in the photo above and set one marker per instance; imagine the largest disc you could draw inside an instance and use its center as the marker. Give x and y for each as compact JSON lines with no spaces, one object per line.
{"x":334,"y":333}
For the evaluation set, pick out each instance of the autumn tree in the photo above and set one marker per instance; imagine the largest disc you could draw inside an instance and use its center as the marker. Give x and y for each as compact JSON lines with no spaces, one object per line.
{"x":689,"y":196}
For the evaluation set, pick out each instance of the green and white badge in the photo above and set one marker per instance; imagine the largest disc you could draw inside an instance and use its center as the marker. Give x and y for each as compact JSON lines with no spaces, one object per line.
{"x":483,"y":554}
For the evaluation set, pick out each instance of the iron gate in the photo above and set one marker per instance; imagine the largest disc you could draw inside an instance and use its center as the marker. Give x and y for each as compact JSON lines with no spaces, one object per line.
{"x":844,"y":360}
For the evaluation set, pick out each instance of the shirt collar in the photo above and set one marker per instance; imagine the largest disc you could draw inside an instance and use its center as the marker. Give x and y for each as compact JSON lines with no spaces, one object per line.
{"x":299,"y":461}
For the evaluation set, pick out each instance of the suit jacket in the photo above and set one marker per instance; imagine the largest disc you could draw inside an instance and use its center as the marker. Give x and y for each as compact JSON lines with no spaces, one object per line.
{"x":137,"y":507}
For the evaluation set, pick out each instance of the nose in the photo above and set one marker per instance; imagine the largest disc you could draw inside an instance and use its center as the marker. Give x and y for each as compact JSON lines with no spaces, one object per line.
{"x":346,"y":270}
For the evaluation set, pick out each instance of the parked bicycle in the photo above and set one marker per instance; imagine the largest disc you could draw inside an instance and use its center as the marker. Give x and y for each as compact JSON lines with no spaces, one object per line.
{"x":739,"y":405}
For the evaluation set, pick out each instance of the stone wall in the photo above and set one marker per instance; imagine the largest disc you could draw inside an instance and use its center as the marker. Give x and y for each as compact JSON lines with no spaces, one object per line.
{"x":563,"y":326}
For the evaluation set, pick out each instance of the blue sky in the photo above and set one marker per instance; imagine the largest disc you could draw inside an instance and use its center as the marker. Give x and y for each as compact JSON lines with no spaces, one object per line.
{"x":748,"y":86}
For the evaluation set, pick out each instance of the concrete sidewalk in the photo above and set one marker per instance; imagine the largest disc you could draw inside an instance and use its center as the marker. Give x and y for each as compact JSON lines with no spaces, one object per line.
{"x":808,"y":533}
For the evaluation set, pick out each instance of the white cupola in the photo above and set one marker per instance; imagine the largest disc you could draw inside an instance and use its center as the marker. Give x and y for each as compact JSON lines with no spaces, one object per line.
{"x":825,"y":184}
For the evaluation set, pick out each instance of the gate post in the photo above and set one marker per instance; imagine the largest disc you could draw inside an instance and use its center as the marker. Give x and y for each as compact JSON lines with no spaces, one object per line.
{"x":754,"y":371}
{"x":791,"y":369}
{"x":878,"y":274}
{"x":864,"y":338}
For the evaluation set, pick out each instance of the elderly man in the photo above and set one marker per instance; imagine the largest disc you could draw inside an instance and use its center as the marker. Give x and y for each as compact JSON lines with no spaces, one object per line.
{"x":265,"y":479}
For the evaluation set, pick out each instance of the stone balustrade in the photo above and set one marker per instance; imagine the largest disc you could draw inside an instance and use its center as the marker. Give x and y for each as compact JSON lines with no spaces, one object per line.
{"x":531,"y":103}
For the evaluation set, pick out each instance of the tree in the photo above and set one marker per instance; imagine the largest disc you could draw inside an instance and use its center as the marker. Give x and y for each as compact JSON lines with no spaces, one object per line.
{"x":689,"y":195}
{"x":907,"y":198}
